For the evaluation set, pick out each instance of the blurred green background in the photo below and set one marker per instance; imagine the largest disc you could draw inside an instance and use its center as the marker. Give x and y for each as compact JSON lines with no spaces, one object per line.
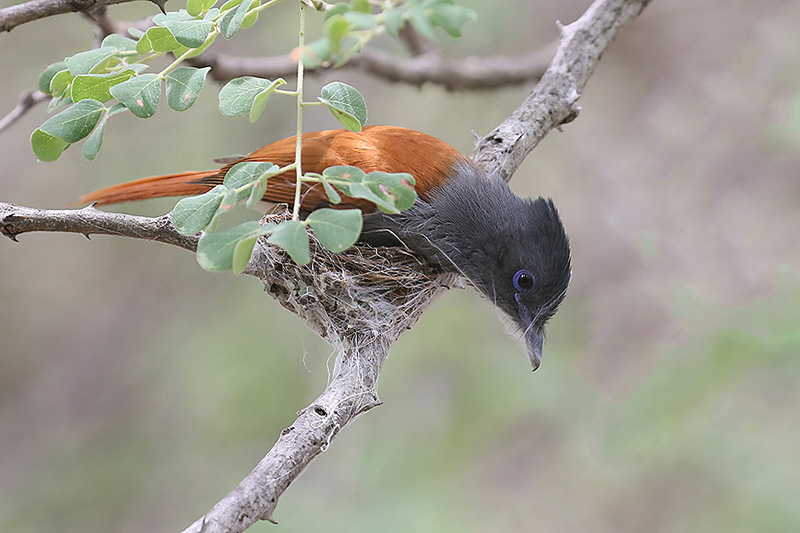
{"x":136,"y":389}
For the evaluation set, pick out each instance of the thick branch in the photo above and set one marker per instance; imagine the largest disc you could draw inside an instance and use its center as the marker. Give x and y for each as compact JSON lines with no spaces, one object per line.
{"x":15,"y":220}
{"x":13,"y":16}
{"x":553,"y":101}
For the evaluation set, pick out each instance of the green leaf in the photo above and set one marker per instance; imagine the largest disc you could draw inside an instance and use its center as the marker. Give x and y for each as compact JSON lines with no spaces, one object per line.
{"x":46,"y":147}
{"x":336,"y":28}
{"x":361,"y":21}
{"x":336,"y":229}
{"x":96,"y":86}
{"x":395,"y":187}
{"x":238,"y":95}
{"x":451,"y":18}
{"x":242,"y":253}
{"x":393,"y":21}
{"x":232,"y":20}
{"x":93,"y":143}
{"x":194,"y":213}
{"x":330,"y":191}
{"x":60,"y":82}
{"x":195,"y":7}
{"x":260,"y":186}
{"x":46,"y":77}
{"x":183,"y":86}
{"x":120,"y":42}
{"x":252,"y":16}
{"x":136,"y":33}
{"x":418,"y":17}
{"x":359,"y":190}
{"x":191,"y":33}
{"x":215,"y":249}
{"x":157,"y":39}
{"x":228,"y":202}
{"x":57,"y":102}
{"x":90,"y":61}
{"x":75,"y":122}
{"x":360,"y":6}
{"x":260,"y":101}
{"x":292,"y":236}
{"x":316,"y":53}
{"x":195,"y":51}
{"x":229,"y":4}
{"x":346,"y":104}
{"x":348,"y":175}
{"x":337,"y":9}
{"x":245,"y":173}
{"x":140,"y":94}
{"x":172,"y":16}
{"x":390,"y":192}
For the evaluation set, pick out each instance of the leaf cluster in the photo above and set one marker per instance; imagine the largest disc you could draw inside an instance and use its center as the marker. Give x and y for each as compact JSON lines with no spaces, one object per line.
{"x":350,"y":26}
{"x":92,"y":86}
{"x":246,"y":182}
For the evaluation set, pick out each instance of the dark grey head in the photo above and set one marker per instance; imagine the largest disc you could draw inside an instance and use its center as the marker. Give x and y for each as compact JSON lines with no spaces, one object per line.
{"x":515,"y":251}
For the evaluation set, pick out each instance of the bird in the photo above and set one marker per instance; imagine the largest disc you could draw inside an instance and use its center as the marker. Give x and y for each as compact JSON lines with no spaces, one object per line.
{"x":514,"y":251}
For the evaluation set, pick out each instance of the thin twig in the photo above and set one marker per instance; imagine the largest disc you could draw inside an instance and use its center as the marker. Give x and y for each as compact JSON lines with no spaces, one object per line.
{"x":468,"y":73}
{"x":27,"y":101}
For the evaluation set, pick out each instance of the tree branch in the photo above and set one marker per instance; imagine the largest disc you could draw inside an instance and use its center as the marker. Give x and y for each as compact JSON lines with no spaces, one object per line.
{"x":453,"y":74}
{"x":16,"y":220}
{"x":27,"y":100}
{"x":553,"y":101}
{"x":13,"y":16}
{"x":363,"y":299}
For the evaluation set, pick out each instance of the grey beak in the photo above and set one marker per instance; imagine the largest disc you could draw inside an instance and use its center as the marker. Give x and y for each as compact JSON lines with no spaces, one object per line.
{"x":534,"y":340}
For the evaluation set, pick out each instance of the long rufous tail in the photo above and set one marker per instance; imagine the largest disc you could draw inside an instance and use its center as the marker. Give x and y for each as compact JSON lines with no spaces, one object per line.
{"x":182,"y":184}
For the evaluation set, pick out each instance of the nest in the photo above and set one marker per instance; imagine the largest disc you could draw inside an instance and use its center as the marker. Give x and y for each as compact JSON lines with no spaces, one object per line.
{"x":352,"y":298}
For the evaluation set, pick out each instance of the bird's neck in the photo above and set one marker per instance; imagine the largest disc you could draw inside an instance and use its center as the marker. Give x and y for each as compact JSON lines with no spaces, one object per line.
{"x":457,"y":225}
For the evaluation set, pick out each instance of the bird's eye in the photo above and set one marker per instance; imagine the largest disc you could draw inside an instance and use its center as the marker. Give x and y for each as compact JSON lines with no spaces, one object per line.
{"x":524,"y":280}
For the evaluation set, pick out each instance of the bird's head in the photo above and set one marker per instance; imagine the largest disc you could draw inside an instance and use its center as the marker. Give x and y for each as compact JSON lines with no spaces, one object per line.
{"x":534,"y":271}
{"x":523,"y":265}
{"x":514,"y":251}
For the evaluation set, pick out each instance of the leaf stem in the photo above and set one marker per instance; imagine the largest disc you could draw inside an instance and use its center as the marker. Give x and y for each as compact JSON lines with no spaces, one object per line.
{"x":264,"y":6}
{"x":184,"y":55}
{"x":298,"y":154}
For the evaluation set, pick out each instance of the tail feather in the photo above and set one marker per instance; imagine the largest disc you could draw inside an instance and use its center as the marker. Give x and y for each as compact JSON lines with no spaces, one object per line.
{"x":182,"y":184}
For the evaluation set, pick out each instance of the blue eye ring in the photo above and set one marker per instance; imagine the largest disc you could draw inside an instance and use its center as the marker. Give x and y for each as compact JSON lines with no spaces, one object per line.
{"x":524,"y":280}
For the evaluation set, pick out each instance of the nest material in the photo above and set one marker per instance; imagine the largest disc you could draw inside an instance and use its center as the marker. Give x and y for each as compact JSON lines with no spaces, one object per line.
{"x":353,"y":297}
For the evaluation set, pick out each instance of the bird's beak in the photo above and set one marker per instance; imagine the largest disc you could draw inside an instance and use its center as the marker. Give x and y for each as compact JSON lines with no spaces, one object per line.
{"x":534,"y":339}
{"x":533,"y":335}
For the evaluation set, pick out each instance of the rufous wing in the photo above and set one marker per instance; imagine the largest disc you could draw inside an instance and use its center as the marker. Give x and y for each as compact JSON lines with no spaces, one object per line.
{"x":375,"y":148}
